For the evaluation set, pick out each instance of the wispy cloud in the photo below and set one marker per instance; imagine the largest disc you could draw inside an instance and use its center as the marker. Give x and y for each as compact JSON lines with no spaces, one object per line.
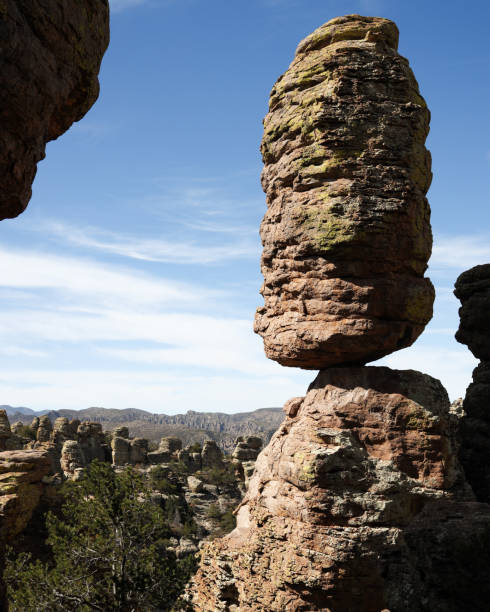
{"x":155,"y":249}
{"x":459,"y":253}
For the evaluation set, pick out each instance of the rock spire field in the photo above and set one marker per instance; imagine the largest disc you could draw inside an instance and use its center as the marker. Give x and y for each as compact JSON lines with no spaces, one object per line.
{"x":347,"y":232}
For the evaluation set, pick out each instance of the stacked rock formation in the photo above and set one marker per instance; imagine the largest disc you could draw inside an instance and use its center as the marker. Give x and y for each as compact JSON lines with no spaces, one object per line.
{"x":358,"y":503}
{"x":51,"y":55}
{"x":347,"y":234}
{"x":473,"y":289}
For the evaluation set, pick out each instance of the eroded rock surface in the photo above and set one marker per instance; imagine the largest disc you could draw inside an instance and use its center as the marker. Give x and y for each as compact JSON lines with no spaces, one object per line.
{"x":352,"y":505}
{"x":50,"y":60}
{"x":347,"y":231}
{"x":473,"y":289}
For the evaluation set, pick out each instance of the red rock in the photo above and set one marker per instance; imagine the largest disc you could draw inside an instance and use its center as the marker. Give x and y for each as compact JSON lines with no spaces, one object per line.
{"x":51,"y":55}
{"x":346,"y":234}
{"x":342,"y":501}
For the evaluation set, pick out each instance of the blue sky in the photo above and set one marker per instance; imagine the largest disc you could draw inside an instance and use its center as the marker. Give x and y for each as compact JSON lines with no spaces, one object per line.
{"x":133,"y":276}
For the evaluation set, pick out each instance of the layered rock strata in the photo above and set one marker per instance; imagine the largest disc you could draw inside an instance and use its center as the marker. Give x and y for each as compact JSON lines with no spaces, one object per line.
{"x":347,"y":231}
{"x":353,"y":506}
{"x":51,"y":55}
{"x":473,"y":290}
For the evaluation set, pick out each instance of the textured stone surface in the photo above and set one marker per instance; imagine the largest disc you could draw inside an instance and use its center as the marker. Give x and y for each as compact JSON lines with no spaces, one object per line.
{"x":51,"y":54}
{"x":44,"y":430}
{"x":352,"y":506}
{"x":120,"y":451}
{"x":72,"y":458}
{"x":21,"y":474}
{"x":473,"y":289}
{"x":347,"y":231}
{"x":211,"y":455}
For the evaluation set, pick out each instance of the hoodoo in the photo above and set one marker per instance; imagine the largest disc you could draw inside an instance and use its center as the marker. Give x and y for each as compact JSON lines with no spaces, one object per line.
{"x":347,"y":231}
{"x":359,"y":502}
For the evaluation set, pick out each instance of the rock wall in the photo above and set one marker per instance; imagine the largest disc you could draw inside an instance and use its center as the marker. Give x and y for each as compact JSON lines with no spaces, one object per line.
{"x":51,"y":55}
{"x":473,"y":290}
{"x":346,"y":234}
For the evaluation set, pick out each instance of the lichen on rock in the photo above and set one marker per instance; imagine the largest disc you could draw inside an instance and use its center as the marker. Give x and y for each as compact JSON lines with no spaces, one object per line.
{"x":347,"y":232}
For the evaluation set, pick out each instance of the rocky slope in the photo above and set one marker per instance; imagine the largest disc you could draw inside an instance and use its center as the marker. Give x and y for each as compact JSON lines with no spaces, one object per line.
{"x":473,"y":289}
{"x":359,"y":502}
{"x":51,"y":55}
{"x":346,"y":234}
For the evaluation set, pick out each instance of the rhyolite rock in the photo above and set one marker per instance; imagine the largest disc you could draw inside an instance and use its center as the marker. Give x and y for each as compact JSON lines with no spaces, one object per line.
{"x":50,"y":60}
{"x":72,"y":458}
{"x":44,"y":430}
{"x":473,"y":290}
{"x":346,"y":234}
{"x":358,"y":504}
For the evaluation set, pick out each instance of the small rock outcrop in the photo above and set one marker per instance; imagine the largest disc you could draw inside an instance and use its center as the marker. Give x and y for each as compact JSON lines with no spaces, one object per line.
{"x":21,"y":486}
{"x":347,"y":232}
{"x":44,"y":430}
{"x":473,"y":290}
{"x":211,"y":455}
{"x":72,"y":458}
{"x":51,"y":55}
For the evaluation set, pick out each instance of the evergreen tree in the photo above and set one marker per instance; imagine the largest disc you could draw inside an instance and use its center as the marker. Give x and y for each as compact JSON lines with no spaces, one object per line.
{"x":109,"y":552}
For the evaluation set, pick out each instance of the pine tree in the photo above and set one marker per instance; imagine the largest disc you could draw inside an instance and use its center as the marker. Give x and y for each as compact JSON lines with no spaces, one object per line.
{"x":109,"y":552}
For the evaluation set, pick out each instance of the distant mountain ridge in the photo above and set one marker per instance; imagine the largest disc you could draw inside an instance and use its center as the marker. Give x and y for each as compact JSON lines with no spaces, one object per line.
{"x":190,"y":427}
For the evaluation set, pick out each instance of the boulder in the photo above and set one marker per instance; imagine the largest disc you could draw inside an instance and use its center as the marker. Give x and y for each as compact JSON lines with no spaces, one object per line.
{"x":346,"y":234}
{"x":194,"y":484}
{"x":121,"y":432}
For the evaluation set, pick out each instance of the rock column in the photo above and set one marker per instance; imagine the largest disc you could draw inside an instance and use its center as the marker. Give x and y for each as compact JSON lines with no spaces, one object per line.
{"x":473,"y":290}
{"x":358,"y":503}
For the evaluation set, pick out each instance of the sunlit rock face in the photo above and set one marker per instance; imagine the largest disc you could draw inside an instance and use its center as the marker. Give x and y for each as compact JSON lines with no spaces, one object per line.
{"x":473,"y":290}
{"x":50,"y":60}
{"x":358,"y":503}
{"x":347,"y":232}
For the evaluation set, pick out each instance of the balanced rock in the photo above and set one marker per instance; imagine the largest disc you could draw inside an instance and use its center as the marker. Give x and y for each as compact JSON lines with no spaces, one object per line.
{"x":347,"y":232}
{"x":354,"y":506}
{"x":473,"y":289}
{"x":35,"y":424}
{"x":51,"y":54}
